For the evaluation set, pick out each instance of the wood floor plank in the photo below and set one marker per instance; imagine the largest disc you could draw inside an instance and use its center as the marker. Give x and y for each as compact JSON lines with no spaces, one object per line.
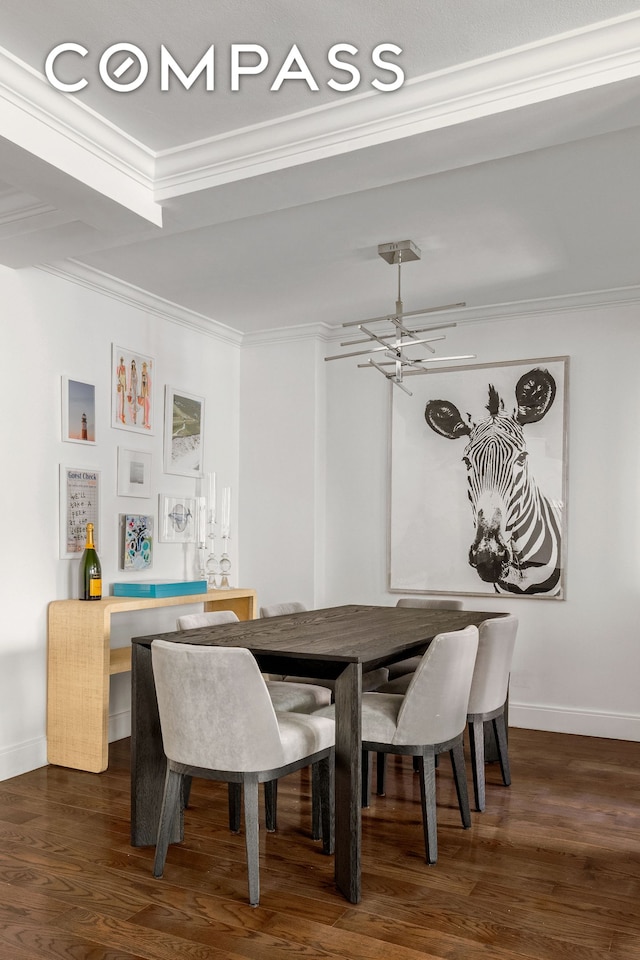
{"x":550,"y":871}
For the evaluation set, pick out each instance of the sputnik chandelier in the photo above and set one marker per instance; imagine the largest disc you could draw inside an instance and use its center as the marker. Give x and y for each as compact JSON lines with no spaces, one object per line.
{"x":392,"y":360}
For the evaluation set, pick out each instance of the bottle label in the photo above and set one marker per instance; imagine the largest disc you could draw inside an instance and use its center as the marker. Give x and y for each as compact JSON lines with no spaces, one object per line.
{"x":95,"y":587}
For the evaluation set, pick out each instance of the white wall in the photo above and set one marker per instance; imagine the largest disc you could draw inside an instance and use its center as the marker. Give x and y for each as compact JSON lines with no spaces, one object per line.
{"x":577,"y":661}
{"x":53,"y":327}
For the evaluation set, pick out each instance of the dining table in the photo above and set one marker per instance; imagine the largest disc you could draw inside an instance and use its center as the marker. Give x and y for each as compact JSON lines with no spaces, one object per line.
{"x":334,"y":643}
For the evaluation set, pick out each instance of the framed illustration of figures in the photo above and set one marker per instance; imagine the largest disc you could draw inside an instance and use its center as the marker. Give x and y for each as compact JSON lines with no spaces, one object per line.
{"x":478,"y":481}
{"x":132,"y":405}
{"x":183,"y":433}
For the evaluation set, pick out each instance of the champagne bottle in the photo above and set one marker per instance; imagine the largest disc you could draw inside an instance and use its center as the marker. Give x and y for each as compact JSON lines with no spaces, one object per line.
{"x":90,"y":570}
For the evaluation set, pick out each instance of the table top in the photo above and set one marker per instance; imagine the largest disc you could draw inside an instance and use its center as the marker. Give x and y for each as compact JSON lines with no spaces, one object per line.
{"x":356,"y":633}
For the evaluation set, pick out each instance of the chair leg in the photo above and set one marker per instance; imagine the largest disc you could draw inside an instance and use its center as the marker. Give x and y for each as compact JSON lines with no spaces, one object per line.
{"x":325,"y":779}
{"x":271,"y":805}
{"x":500,"y":729}
{"x":427,"y":772}
{"x":476,"y":743}
{"x":460,"y":778}
{"x":170,"y":800}
{"x":316,"y":805}
{"x":251,"y":838}
{"x":235,"y":799}
{"x":381,"y":773}
{"x":366,"y":780}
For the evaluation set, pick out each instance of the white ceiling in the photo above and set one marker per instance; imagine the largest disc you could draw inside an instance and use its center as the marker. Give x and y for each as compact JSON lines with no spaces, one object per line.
{"x":510,"y":155}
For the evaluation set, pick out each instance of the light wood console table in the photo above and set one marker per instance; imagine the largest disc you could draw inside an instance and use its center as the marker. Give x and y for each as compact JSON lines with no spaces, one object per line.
{"x":81,"y":661}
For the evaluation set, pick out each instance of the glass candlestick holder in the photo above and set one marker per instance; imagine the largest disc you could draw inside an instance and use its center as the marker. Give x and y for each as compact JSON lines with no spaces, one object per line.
{"x":202,"y":561}
{"x":225,"y":565}
{"x":213,"y":568}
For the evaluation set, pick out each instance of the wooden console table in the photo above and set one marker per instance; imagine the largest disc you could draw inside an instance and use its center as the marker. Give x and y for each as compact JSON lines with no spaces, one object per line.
{"x":81,"y":660}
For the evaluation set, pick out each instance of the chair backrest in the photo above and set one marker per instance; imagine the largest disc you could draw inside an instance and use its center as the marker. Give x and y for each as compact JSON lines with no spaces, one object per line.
{"x":493,"y":663}
{"x":278,"y":609}
{"x":430,"y":603}
{"x":212,"y":618}
{"x":215,"y":710}
{"x":434,"y":709}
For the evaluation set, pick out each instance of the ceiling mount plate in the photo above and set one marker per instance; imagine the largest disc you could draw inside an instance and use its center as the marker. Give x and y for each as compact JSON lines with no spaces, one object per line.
{"x":402,"y":251}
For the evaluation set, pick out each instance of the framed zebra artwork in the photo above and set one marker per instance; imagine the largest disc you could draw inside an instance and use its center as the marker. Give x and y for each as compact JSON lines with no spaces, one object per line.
{"x":479,"y":480}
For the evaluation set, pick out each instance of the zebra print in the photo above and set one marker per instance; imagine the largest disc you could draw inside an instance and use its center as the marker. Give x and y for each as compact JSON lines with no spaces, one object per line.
{"x":518,"y":529}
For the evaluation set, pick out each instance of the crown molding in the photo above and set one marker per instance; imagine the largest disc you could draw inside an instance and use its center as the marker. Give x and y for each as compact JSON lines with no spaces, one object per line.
{"x":64,"y":132}
{"x":278,"y":335}
{"x":603,"y":53}
{"x":103,"y":283}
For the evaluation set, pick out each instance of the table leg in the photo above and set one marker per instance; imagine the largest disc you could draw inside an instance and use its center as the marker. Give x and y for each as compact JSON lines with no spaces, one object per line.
{"x":348,"y":696}
{"x":148,"y":762}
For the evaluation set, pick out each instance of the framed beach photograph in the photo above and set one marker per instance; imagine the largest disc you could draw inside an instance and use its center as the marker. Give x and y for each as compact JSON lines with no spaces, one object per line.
{"x":132,"y":405}
{"x":136,"y":537}
{"x":183,"y":433}
{"x":78,"y":411}
{"x":134,"y":473}
{"x":79,"y":505}
{"x":479,"y":481}
{"x":176,"y":519}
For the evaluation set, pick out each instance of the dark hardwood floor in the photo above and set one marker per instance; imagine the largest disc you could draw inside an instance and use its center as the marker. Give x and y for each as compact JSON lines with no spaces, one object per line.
{"x":551,"y":870}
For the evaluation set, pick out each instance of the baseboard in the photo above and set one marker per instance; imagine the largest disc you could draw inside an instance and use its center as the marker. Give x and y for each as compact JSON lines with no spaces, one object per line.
{"x":581,"y":722}
{"x":119,"y":725}
{"x":22,"y":758}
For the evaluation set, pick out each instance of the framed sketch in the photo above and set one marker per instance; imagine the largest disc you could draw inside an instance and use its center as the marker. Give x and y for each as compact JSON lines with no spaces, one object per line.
{"x":183,"y":433}
{"x":78,"y":411}
{"x":79,"y":505}
{"x":136,"y":533}
{"x":131,"y":390}
{"x":134,"y":473}
{"x":479,"y":480}
{"x":177,"y":519}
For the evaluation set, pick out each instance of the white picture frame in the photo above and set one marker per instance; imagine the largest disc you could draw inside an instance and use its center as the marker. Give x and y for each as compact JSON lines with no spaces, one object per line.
{"x":183,"y":433}
{"x":134,"y":473}
{"x":79,"y":505}
{"x":176,"y":519}
{"x":78,"y":411}
{"x":132,"y":391}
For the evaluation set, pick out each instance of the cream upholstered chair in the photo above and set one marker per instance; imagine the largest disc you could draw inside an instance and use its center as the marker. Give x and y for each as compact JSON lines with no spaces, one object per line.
{"x":427,"y":603}
{"x":428,"y":720}
{"x":370,"y":680}
{"x":285,"y":696}
{"x":303,"y":698}
{"x":217,"y":721}
{"x":488,"y":698}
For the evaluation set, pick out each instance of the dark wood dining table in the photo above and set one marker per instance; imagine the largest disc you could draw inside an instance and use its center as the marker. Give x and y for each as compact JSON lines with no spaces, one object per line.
{"x":337,"y":643}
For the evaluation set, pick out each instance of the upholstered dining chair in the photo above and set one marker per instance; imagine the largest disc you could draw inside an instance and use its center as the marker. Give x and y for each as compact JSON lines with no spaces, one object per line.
{"x":428,"y":720}
{"x":370,"y":680}
{"x":488,"y":698}
{"x":285,"y":696}
{"x":427,"y":603}
{"x":487,"y":701}
{"x":218,"y":722}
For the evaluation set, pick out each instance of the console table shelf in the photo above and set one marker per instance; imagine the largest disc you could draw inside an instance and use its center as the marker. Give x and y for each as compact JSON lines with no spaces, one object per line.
{"x":81,"y":660}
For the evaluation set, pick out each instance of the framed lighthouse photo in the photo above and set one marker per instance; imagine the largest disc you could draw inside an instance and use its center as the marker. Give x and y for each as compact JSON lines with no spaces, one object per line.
{"x":78,"y":411}
{"x":479,"y":481}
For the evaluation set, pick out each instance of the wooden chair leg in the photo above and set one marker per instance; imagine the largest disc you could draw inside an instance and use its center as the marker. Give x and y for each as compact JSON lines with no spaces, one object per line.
{"x":251,"y":838}
{"x":460,"y":778}
{"x":476,"y":743}
{"x":326,"y":803}
{"x":381,"y":773}
{"x":427,"y":773}
{"x":271,"y":805}
{"x":171,"y":798}
{"x":500,"y":729}
{"x":366,"y":780}
{"x":235,"y":799}
{"x":316,"y":804}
